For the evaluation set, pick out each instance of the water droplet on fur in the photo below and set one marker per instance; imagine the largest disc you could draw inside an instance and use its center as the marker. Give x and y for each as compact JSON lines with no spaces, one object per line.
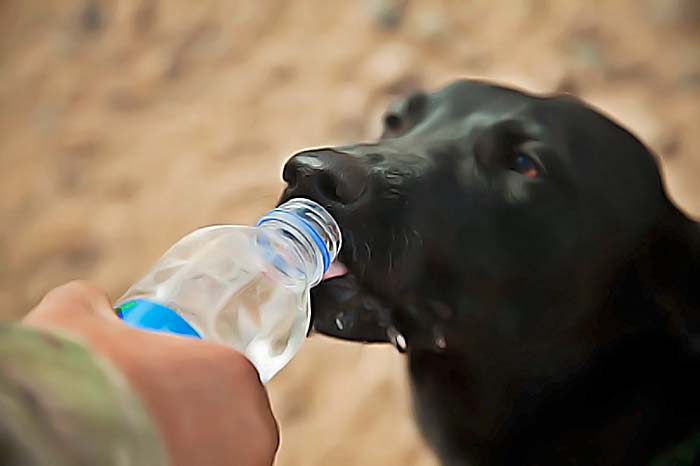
{"x":397,"y":339}
{"x":441,"y":342}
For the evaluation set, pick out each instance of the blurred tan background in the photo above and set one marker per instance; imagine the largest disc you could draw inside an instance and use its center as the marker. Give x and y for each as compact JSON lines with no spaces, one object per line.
{"x":124,"y":124}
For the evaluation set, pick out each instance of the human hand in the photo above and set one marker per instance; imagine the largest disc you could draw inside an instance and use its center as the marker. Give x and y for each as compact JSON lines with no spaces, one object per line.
{"x":205,"y":398}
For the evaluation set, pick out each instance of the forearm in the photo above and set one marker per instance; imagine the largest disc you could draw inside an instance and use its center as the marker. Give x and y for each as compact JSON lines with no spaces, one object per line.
{"x":62,"y":405}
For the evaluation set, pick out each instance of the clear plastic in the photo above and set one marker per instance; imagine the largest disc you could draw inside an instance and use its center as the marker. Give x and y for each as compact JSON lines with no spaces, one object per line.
{"x":247,"y":287}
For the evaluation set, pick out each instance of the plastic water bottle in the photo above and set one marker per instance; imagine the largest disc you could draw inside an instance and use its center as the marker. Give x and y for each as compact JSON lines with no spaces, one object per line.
{"x":245,"y":287}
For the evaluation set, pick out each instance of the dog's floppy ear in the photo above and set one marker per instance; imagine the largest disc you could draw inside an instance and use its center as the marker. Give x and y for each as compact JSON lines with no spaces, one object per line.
{"x":405,"y":113}
{"x":673,"y":274}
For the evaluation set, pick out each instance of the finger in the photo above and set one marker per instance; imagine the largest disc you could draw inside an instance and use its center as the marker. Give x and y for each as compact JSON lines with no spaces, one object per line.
{"x":77,"y":299}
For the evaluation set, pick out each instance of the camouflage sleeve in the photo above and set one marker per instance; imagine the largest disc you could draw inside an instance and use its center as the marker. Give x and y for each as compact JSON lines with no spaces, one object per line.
{"x":62,"y":406}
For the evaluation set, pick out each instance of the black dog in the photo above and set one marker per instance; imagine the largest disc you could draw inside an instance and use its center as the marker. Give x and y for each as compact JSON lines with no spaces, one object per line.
{"x":522,"y":252}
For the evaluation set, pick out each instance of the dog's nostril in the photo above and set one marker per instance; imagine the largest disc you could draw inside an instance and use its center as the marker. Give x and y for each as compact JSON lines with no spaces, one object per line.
{"x":329,"y":188}
{"x":343,"y":187}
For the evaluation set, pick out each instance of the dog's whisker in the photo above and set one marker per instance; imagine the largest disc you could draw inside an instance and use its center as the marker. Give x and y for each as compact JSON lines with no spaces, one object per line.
{"x":418,"y":237}
{"x":369,"y":251}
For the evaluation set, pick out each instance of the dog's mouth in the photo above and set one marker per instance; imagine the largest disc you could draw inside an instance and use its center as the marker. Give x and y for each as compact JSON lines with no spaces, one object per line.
{"x":347,"y":304}
{"x":336,"y":269}
{"x":343,"y":306}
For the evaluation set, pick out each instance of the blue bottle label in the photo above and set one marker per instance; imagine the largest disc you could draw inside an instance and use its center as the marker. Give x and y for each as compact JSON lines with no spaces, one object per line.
{"x":149,"y":315}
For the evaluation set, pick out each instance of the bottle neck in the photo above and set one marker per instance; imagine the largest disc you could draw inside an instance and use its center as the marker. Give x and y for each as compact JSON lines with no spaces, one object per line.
{"x":292,"y":252}
{"x":307,"y":230}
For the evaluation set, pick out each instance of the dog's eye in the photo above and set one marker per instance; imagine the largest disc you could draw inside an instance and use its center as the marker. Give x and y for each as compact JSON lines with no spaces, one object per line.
{"x":526,"y":165}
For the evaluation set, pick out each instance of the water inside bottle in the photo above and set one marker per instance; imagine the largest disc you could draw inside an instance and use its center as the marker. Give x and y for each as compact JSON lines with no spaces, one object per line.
{"x":233,"y":297}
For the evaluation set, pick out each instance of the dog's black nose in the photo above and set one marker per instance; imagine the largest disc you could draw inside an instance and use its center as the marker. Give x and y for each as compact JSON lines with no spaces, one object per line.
{"x":327,"y":175}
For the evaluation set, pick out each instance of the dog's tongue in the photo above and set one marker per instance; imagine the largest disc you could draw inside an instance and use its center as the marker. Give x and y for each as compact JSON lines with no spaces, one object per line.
{"x":336,"y":269}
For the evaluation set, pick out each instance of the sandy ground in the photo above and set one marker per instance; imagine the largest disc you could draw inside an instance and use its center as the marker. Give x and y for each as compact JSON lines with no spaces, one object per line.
{"x":125,"y":124}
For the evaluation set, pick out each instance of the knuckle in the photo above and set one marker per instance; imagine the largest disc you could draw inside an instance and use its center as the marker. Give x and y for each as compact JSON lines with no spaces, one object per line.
{"x":72,"y":299}
{"x":76,"y":289}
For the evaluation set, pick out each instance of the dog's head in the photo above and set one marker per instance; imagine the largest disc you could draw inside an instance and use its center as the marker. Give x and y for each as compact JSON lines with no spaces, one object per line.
{"x":521,"y":236}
